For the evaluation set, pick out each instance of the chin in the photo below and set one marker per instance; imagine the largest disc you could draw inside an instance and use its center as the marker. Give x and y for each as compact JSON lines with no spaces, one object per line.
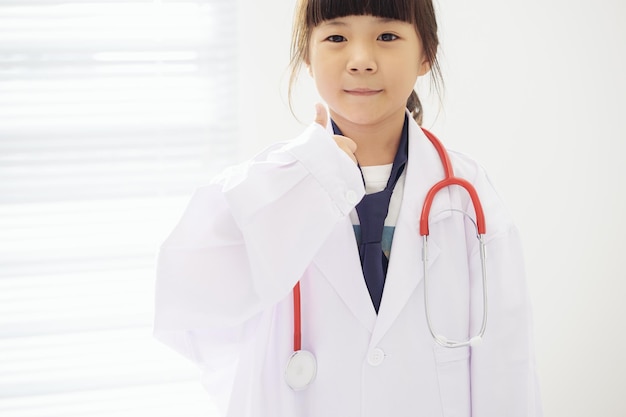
{"x":360,"y":116}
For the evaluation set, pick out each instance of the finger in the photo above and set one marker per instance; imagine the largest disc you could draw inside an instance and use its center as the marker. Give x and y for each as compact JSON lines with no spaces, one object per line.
{"x":321,"y":117}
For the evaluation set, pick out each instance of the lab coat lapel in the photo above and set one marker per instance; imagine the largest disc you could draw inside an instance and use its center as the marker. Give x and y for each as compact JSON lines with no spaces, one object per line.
{"x":405,"y":271}
{"x":338,"y":260}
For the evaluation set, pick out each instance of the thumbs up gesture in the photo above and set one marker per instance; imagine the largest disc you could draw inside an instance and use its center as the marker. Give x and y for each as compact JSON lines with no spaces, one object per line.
{"x":345,"y":144}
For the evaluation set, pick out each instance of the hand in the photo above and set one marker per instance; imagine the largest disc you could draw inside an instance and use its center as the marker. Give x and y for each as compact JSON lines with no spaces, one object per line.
{"x":345,"y":144}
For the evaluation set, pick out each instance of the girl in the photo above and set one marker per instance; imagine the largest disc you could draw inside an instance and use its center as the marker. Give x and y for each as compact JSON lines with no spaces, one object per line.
{"x":325,"y":228}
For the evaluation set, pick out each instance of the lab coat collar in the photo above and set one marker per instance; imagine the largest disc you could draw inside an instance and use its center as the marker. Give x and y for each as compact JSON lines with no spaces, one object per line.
{"x":342,"y":267}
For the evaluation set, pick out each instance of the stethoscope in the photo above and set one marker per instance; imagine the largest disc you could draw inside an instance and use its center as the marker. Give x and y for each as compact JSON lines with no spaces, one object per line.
{"x":302,"y":365}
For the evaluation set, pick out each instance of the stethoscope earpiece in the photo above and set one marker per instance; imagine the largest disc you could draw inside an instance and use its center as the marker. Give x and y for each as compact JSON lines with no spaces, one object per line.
{"x":476,"y":341}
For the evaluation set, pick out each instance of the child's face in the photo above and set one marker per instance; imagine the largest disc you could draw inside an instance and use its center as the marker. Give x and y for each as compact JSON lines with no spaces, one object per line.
{"x":365,"y":67}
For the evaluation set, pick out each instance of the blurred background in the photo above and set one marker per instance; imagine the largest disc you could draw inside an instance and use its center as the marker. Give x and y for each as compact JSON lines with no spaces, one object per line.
{"x":112,"y":112}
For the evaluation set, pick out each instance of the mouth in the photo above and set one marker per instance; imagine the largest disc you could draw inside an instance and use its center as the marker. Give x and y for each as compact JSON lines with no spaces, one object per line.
{"x":362,"y":91}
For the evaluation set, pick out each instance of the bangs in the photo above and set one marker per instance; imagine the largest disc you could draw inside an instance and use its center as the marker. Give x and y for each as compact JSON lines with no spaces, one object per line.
{"x":321,"y":10}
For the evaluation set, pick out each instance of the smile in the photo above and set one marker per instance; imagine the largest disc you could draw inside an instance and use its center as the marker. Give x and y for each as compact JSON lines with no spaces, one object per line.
{"x":362,"y":92}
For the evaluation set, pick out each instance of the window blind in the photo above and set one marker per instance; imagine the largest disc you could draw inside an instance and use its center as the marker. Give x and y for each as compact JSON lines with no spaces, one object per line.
{"x":111,"y":113}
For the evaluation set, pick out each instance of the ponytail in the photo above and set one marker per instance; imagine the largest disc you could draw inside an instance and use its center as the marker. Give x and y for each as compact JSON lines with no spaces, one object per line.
{"x":415,"y":107}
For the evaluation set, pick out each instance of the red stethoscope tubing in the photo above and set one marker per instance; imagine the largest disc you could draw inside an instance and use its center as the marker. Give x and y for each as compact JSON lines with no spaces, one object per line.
{"x":449,"y":179}
{"x":297,"y":319}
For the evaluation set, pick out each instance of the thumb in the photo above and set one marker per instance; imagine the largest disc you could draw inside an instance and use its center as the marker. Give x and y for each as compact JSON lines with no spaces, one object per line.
{"x":321,"y":117}
{"x":350,"y":144}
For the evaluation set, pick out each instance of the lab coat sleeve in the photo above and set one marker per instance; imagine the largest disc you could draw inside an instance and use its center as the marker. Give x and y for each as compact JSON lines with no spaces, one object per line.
{"x":503,"y":371}
{"x":246,"y":239}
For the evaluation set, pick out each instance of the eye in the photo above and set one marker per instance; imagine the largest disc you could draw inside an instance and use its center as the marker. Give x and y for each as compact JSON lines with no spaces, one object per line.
{"x":387,"y":37}
{"x":336,"y":38}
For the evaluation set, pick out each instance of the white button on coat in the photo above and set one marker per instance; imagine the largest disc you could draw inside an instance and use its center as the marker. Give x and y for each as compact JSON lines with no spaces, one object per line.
{"x":375,"y":357}
{"x":352,"y":197}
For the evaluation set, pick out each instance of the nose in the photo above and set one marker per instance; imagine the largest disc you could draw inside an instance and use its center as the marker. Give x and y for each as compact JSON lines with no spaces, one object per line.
{"x":362,"y":59}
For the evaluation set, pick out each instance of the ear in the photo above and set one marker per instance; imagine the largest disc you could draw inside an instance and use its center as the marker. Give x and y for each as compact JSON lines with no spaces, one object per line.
{"x":309,"y":70}
{"x":424,"y":67}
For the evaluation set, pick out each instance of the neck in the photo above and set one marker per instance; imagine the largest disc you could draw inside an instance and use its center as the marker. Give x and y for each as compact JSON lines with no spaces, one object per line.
{"x":377,"y":144}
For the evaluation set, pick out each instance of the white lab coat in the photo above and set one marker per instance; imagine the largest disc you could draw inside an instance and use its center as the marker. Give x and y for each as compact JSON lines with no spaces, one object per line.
{"x":225,"y":275}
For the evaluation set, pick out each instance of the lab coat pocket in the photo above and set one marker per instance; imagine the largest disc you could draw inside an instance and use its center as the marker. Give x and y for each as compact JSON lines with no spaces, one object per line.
{"x":453,"y":372}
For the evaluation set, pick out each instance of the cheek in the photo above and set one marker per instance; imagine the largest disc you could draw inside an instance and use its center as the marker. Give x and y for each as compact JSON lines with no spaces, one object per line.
{"x":404,"y":77}
{"x":409,"y":74}
{"x":323,"y":73}
{"x":323,"y":83}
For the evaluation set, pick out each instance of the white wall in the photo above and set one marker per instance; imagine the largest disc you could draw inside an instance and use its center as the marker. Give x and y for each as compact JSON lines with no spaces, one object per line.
{"x":264,"y":59}
{"x":536,"y":91}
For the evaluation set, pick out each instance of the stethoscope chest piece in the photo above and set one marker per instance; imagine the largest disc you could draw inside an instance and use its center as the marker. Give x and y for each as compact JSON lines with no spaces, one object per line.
{"x":301,"y":370}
